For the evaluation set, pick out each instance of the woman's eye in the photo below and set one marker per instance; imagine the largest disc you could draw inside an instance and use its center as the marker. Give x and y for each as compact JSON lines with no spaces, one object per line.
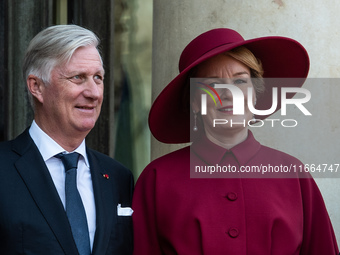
{"x":240,"y":81}
{"x":213,"y":84}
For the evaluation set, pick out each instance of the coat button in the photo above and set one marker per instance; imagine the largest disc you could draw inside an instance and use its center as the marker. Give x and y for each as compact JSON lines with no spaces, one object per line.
{"x":233,"y":232}
{"x":232,"y":196}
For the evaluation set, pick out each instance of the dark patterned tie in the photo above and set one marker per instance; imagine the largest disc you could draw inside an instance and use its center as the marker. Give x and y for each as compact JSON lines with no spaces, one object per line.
{"x":74,"y":207}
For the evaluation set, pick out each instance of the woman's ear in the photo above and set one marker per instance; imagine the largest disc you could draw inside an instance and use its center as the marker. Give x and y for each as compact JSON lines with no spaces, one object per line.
{"x":196,"y":103}
{"x":195,"y":106}
{"x":36,"y":87}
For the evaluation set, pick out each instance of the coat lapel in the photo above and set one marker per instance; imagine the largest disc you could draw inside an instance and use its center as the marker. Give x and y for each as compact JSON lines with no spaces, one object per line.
{"x":106,"y":205}
{"x":35,"y":174}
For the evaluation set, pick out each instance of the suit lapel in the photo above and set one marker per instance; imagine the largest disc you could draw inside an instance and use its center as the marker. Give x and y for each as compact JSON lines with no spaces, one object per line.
{"x":35,"y":174}
{"x":106,"y":205}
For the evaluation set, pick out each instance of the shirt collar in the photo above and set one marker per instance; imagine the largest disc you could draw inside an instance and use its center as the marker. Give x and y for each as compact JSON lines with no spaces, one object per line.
{"x":212,"y":154}
{"x":48,"y":147}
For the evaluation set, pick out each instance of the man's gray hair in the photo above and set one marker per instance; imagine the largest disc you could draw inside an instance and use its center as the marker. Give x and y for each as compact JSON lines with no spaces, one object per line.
{"x":54,"y":46}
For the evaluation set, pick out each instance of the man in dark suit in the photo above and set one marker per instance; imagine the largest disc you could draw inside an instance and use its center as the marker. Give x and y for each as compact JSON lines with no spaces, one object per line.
{"x":56,"y":195}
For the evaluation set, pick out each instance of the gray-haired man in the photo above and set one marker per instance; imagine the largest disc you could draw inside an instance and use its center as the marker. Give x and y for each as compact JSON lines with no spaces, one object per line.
{"x":57,"y":196}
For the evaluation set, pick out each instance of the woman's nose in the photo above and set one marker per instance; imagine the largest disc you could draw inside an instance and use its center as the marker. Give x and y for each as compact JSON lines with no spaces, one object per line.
{"x":225,"y":94}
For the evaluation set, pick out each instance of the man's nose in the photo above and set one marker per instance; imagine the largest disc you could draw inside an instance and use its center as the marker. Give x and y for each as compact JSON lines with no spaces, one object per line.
{"x":93,"y":90}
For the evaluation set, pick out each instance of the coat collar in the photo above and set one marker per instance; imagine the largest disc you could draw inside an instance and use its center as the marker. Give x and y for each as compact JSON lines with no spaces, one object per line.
{"x":35,"y":174}
{"x":213,"y":154}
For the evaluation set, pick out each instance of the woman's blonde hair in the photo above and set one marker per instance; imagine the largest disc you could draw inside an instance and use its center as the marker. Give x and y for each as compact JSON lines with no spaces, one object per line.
{"x":246,"y":57}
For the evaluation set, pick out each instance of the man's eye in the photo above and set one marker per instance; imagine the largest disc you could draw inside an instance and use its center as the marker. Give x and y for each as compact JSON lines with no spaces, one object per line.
{"x":98,"y":79}
{"x":76,"y":77}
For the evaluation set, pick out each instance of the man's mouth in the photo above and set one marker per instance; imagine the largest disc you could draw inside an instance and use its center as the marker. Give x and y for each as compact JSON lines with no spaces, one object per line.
{"x":85,"y":107}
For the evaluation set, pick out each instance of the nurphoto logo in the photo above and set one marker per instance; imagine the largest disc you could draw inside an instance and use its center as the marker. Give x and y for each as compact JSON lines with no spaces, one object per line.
{"x":238,"y":103}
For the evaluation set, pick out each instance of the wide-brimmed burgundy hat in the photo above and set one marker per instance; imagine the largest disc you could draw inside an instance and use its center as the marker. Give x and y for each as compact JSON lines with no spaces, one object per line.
{"x":281,"y":57}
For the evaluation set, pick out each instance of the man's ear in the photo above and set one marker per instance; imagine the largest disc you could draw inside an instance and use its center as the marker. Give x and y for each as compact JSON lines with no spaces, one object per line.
{"x":36,"y":86}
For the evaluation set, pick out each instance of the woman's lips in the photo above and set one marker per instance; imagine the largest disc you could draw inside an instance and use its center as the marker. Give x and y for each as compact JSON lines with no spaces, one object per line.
{"x":227,"y":109}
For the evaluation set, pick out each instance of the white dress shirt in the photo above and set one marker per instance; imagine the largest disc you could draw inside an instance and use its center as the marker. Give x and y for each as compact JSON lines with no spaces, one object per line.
{"x":48,"y":149}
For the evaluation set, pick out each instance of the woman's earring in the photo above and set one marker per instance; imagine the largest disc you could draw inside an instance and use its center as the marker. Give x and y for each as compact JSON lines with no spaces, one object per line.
{"x":253,"y":120}
{"x":195,"y":128}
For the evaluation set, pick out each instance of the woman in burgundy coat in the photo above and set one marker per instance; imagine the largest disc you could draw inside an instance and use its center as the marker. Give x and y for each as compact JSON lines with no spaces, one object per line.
{"x":209,"y":198}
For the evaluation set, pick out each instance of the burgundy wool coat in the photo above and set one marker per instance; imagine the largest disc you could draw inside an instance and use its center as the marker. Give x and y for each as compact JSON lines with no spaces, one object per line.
{"x":177,"y":214}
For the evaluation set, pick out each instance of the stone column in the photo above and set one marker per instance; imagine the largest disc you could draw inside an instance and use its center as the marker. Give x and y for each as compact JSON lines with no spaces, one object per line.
{"x":312,"y":23}
{"x":20,"y":22}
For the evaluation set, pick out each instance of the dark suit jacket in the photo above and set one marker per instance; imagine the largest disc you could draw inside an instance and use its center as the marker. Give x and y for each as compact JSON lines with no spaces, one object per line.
{"x":32,"y":217}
